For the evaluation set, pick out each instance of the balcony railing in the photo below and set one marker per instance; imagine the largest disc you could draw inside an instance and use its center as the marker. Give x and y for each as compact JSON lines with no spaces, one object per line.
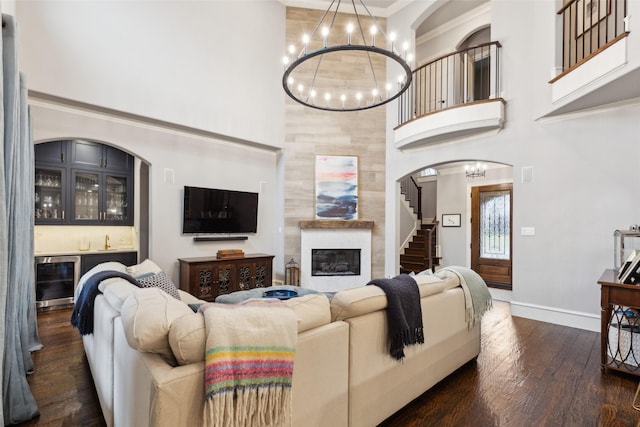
{"x":459,"y":78}
{"x":588,"y":26}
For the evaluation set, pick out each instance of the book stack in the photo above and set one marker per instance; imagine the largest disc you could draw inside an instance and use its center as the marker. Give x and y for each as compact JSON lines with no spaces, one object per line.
{"x":630,"y":271}
{"x":230,"y":254}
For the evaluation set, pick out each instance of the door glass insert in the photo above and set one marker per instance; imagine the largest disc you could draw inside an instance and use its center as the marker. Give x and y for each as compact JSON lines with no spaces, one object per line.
{"x":86,"y":196}
{"x":48,"y":194}
{"x":117,"y":207}
{"x":495,"y":208}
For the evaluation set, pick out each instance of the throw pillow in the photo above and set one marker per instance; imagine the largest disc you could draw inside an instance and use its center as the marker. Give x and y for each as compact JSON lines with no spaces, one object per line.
{"x":162,"y":281}
{"x":145,"y":267}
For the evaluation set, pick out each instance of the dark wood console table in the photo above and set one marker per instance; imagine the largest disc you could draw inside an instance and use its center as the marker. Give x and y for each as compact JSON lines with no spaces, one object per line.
{"x":620,"y":324}
{"x":208,"y":277}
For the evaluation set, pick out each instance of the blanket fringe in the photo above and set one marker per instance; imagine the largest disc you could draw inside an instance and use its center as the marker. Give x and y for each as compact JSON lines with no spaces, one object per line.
{"x":249,"y":407}
{"x":405,"y":338}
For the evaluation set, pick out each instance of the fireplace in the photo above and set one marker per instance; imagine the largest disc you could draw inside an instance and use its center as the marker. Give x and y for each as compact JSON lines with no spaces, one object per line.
{"x":335,"y":262}
{"x":335,"y":254}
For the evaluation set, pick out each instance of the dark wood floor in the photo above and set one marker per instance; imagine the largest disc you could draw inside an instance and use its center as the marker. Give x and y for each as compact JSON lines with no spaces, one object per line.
{"x":528,"y":374}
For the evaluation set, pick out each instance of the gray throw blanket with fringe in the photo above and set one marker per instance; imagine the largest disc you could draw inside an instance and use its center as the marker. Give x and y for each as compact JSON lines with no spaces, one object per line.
{"x":476,"y":294}
{"x":404,"y":313}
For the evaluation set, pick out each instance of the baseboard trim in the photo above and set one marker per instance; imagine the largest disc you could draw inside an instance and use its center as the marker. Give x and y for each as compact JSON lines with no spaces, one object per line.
{"x":570,"y":318}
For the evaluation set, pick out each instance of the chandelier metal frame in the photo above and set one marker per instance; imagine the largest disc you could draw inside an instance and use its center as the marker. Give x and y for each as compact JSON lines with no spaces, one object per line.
{"x":378,"y":99}
{"x":479,"y":170}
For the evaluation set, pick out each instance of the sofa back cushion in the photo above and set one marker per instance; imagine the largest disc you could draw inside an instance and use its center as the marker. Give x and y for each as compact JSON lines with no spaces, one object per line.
{"x":147,"y":315}
{"x":187,"y":333}
{"x":366,"y":299}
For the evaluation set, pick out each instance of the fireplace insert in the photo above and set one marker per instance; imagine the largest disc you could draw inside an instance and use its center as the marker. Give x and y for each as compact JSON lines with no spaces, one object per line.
{"x":335,"y":262}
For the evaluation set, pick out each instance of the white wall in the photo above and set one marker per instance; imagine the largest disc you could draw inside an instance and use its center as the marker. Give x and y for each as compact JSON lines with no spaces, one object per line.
{"x":191,"y":160}
{"x":208,"y":70}
{"x":584,"y":172}
{"x":211,"y":65}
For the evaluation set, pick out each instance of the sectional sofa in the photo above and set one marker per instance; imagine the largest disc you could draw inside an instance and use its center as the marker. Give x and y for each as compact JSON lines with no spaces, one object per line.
{"x":146,"y":352}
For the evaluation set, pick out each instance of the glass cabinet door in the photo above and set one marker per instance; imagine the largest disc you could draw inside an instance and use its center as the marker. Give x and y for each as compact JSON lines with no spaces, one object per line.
{"x":49,"y":202}
{"x":116,"y":197}
{"x":86,"y":196}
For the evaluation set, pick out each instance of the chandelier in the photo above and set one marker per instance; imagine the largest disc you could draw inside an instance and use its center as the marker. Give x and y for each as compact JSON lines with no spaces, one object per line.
{"x":477,"y":171}
{"x":339,"y":66}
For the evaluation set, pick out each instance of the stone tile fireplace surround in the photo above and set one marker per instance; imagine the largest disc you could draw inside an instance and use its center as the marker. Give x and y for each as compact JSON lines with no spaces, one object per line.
{"x":337,"y":235}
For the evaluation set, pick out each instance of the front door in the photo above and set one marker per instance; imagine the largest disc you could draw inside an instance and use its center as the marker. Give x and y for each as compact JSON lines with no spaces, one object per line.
{"x":491,"y":233}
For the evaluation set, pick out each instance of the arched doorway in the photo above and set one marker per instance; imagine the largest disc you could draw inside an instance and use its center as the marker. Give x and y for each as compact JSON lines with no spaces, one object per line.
{"x":446,"y":193}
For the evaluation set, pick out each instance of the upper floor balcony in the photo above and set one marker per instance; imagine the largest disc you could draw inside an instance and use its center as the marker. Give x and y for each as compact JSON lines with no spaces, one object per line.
{"x":462,"y":87}
{"x":599,"y":65}
{"x":593,"y":58}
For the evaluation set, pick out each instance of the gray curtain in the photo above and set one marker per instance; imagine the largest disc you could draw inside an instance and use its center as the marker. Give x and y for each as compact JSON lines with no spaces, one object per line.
{"x":17,"y":277}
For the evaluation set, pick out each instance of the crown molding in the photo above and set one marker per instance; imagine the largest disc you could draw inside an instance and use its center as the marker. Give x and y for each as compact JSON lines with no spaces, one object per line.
{"x":454,"y":23}
{"x":381,"y":12}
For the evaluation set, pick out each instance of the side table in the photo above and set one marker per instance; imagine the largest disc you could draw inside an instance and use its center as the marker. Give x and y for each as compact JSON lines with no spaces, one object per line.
{"x":619,"y":324}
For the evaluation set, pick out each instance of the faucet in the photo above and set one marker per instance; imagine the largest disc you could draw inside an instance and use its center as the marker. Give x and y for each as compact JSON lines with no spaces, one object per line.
{"x":106,"y":242}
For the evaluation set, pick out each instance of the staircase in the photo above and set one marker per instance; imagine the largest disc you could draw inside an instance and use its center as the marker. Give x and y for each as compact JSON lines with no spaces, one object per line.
{"x":421,"y":252}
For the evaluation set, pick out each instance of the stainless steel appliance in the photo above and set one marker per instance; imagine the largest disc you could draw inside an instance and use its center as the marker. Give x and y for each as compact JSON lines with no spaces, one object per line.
{"x":56,"y":280}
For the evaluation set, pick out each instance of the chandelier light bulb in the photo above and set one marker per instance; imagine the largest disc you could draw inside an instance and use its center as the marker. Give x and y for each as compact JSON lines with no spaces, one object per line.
{"x":373,"y":31}
{"x":302,"y":84}
{"x":327,"y":98}
{"x":285,"y":60}
{"x":405,"y":47}
{"x":409,"y":58}
{"x":392,"y":39}
{"x":325,"y":35}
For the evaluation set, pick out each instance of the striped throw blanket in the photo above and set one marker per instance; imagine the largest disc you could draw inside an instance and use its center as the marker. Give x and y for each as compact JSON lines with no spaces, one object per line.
{"x":250,"y":351}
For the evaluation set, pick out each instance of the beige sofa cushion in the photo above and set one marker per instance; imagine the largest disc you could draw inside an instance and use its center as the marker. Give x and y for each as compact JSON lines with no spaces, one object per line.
{"x":187,"y":333}
{"x":187,"y":337}
{"x":147,"y":315}
{"x":366,"y":299}
{"x":116,"y":290}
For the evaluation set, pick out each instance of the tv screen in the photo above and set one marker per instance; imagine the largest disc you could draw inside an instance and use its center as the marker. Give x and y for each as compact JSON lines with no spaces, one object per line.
{"x":209,"y":210}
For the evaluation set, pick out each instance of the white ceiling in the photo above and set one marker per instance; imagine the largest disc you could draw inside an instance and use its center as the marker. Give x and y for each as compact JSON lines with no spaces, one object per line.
{"x":384,"y":8}
{"x":381,"y":8}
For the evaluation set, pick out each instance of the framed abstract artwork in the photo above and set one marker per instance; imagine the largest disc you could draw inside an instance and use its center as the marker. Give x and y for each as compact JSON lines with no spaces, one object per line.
{"x":336,"y":187}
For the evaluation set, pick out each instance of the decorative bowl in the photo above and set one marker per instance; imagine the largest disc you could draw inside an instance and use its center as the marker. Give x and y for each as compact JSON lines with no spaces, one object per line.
{"x":282,"y":294}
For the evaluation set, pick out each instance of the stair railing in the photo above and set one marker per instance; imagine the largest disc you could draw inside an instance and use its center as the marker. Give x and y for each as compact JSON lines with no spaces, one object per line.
{"x":413,"y":194}
{"x":462,"y":77}
{"x":590,"y":26}
{"x":428,"y":248}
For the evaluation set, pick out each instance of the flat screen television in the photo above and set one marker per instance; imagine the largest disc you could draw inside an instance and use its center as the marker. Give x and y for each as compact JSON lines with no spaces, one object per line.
{"x":210,"y":210}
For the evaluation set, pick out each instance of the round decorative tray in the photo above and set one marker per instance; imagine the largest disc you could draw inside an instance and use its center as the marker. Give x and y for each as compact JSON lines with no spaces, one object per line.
{"x":282,"y":294}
